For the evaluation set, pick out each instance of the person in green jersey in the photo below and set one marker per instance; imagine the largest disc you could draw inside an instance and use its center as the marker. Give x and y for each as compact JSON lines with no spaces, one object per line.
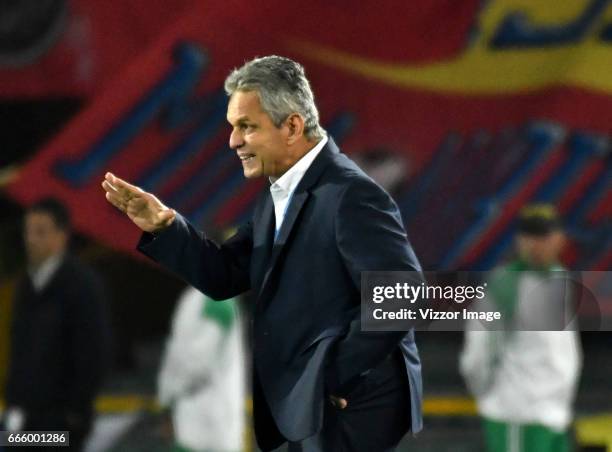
{"x":524,"y":380}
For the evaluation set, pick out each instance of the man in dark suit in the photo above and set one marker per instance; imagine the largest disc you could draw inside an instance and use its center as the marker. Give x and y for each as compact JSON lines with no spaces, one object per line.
{"x":59,"y":336}
{"x":320,"y":382}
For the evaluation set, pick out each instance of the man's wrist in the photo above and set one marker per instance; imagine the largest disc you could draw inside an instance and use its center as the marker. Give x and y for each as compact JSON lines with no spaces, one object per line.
{"x":164,"y":227}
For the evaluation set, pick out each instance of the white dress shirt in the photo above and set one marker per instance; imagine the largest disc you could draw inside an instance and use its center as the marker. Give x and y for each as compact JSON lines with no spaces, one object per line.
{"x":283,"y":187}
{"x":42,"y":275}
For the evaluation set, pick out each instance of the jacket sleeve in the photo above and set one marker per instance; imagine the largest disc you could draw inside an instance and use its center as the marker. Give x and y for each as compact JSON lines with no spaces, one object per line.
{"x":370,"y":237}
{"x":219,"y":271}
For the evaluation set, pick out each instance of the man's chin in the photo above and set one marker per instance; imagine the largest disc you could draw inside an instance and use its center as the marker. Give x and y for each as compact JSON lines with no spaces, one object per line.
{"x":251,"y":174}
{"x":35,"y":261}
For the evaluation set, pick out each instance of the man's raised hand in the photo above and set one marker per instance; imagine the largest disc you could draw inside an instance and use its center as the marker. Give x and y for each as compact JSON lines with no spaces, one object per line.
{"x":144,"y":209}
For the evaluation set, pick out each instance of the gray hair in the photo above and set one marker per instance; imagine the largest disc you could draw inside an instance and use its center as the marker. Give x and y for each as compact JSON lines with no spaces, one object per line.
{"x":283,"y":89}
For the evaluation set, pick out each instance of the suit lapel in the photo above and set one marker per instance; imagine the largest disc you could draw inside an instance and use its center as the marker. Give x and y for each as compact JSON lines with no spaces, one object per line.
{"x":263,"y":238}
{"x":296,"y":203}
{"x":263,"y":235}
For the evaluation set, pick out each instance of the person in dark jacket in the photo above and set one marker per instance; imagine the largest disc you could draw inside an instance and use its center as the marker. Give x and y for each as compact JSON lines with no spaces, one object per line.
{"x":59,"y":336}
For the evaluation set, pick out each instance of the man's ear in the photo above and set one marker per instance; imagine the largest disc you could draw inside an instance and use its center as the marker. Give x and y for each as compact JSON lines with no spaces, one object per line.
{"x":560,"y":240}
{"x":295,"y":125}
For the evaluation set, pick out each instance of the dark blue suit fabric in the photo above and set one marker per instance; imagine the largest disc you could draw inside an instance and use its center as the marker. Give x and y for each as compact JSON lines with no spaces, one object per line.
{"x":305,"y":286}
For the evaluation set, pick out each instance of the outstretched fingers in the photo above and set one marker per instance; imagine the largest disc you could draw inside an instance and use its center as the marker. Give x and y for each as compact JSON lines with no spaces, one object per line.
{"x":125,"y":188}
{"x":114,"y":198}
{"x":141,"y":207}
{"x":119,"y":192}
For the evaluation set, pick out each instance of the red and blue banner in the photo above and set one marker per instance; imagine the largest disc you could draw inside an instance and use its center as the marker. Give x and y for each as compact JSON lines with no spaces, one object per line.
{"x":490,"y":105}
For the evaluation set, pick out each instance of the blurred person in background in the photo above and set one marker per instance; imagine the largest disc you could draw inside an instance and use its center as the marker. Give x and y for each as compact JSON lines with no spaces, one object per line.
{"x":202,"y":376}
{"x":388,"y":168}
{"x":525,"y":382}
{"x":60,"y":334}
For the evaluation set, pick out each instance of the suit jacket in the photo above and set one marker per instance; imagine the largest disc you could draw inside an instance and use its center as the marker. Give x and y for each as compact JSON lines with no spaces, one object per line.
{"x":306,"y":286}
{"x":60,"y":344}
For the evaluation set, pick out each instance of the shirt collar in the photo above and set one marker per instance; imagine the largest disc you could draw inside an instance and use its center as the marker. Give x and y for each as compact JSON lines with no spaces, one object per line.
{"x":288,"y":181}
{"x":43,"y":273}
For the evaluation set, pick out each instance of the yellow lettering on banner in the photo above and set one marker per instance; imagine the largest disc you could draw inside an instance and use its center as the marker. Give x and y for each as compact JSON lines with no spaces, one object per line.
{"x":481,"y":69}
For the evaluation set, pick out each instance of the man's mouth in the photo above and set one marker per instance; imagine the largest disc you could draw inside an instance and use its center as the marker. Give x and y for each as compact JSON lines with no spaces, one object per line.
{"x":246,"y":157}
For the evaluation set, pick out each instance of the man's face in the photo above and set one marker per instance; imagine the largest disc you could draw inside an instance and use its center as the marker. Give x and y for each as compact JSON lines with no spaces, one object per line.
{"x":42,"y":237}
{"x":540,"y":251}
{"x":261,"y":146}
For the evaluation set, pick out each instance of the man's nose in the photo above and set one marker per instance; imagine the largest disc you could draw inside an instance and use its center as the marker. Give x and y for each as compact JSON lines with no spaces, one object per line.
{"x":236,"y":141}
